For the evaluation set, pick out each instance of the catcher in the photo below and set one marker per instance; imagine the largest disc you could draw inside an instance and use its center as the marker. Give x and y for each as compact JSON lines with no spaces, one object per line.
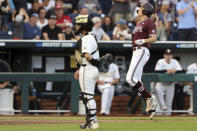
{"x":89,"y":65}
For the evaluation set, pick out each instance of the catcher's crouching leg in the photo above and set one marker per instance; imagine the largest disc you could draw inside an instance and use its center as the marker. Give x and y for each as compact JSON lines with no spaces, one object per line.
{"x":90,"y":105}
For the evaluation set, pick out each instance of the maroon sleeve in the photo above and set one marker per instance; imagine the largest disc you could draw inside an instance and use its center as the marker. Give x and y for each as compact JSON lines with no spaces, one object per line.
{"x":151,"y":29}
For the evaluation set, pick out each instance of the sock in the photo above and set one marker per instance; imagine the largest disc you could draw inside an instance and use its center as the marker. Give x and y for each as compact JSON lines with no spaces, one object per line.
{"x":142,"y":90}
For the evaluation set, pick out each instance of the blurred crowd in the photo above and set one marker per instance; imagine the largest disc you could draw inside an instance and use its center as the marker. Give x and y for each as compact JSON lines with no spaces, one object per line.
{"x":113,"y":19}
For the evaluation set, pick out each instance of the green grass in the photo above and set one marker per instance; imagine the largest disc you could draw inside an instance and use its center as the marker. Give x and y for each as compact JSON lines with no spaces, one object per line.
{"x":134,"y":124}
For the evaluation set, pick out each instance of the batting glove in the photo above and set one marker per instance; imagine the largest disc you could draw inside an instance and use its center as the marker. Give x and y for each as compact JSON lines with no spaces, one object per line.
{"x":140,"y":42}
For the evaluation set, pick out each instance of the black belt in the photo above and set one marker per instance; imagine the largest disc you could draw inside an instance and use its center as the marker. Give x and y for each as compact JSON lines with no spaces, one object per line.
{"x":83,"y":64}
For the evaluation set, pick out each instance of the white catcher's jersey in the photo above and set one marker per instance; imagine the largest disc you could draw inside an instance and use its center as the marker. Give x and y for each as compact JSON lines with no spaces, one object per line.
{"x":163,"y":65}
{"x":89,"y":45}
{"x":192,"y":69}
{"x":112,"y":74}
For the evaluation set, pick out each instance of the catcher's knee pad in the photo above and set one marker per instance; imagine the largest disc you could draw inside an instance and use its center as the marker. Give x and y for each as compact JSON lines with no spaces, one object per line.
{"x":86,"y":97}
{"x":90,"y":104}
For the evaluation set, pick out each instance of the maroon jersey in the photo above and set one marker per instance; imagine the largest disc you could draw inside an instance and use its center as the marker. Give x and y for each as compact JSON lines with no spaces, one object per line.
{"x":143,"y":30}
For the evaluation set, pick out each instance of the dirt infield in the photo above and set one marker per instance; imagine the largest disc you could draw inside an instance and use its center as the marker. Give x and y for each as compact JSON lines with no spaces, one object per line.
{"x":35,"y":121}
{"x":24,"y":121}
{"x":38,"y":121}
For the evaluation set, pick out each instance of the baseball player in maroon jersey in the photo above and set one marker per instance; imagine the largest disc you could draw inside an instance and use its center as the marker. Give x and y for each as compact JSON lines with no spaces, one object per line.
{"x":143,"y":35}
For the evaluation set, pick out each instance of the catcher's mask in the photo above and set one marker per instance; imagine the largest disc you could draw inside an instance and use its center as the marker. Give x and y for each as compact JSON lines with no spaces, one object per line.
{"x":83,"y":23}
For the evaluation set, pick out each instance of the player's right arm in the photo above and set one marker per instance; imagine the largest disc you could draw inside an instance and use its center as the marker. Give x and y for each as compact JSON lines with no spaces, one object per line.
{"x":93,"y":61}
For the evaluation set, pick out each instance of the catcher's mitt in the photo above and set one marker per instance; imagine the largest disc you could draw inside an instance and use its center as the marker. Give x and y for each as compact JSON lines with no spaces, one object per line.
{"x":78,"y":56}
{"x":105,"y":61}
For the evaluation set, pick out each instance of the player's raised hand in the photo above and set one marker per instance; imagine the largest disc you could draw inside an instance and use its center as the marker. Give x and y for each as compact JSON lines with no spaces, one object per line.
{"x":140,"y":42}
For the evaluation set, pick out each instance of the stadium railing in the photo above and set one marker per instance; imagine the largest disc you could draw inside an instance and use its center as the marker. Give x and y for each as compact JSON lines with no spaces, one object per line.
{"x":26,"y":78}
{"x":153,"y":77}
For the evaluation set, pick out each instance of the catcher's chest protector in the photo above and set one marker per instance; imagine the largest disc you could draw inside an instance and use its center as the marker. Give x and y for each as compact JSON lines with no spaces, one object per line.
{"x":78,"y":45}
{"x":78,"y":54}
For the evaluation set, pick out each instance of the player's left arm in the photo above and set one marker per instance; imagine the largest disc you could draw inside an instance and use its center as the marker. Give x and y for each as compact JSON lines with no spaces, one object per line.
{"x":152,"y":39}
{"x":151,"y":30}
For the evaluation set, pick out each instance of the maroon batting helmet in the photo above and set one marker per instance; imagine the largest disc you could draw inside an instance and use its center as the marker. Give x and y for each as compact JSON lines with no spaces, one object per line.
{"x":148,"y":9}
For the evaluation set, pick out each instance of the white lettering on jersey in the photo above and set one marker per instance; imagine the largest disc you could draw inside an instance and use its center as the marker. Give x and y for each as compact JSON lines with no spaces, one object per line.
{"x":137,"y":29}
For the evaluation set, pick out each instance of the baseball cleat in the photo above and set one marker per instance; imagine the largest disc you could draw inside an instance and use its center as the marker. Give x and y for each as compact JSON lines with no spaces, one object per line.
{"x":91,"y":125}
{"x":150,"y":106}
{"x":152,"y":115}
{"x":164,"y":108}
{"x":84,"y":126}
{"x":103,"y":112}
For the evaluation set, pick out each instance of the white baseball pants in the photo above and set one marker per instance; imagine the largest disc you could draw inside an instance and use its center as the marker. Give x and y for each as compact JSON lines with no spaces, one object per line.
{"x":88,"y":76}
{"x":106,"y":99}
{"x":138,"y":60}
{"x":87,"y":79}
{"x":6,"y":101}
{"x":167,"y":91}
